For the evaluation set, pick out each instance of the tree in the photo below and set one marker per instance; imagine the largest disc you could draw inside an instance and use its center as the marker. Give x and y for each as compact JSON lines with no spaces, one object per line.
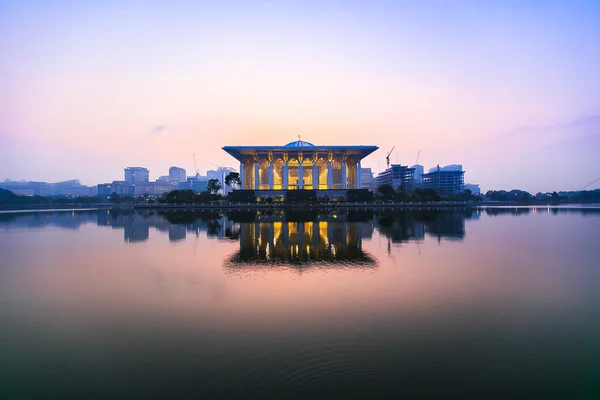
{"x":233,"y":178}
{"x":426,"y":195}
{"x":213,"y":186}
{"x":386,"y":190}
{"x":178,"y":196}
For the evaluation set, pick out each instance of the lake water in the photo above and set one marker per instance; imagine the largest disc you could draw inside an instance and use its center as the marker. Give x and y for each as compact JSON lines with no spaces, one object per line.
{"x":483,"y":303}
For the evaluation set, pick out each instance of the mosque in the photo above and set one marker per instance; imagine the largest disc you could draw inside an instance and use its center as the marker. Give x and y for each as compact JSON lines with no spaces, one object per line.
{"x":300,"y":165}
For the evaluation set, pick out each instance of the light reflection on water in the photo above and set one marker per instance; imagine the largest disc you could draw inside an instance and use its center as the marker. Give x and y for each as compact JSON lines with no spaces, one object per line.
{"x":501,"y":301}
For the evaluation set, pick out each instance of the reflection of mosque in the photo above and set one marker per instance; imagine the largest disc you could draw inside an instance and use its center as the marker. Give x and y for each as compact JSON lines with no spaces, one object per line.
{"x":293,"y":242}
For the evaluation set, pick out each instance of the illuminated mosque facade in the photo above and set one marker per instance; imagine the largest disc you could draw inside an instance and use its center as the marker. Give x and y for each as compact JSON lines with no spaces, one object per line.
{"x":300,"y":165}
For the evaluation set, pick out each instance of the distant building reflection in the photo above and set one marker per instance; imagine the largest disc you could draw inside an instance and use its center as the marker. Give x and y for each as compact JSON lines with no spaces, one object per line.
{"x":292,"y":236}
{"x":136,"y":226}
{"x":525,"y":210}
{"x":61,"y":219}
{"x":177,"y":233}
{"x":402,"y":226}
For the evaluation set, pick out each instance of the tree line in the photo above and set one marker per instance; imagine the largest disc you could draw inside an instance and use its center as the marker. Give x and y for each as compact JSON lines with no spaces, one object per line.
{"x":523,"y":197}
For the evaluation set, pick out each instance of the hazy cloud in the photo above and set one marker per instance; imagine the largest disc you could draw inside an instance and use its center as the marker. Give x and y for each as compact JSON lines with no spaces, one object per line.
{"x":558,"y":133}
{"x":158,"y":129}
{"x":591,"y":122}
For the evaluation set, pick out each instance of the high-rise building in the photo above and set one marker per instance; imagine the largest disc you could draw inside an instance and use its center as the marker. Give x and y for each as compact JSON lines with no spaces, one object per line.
{"x":220,"y":174}
{"x":135,"y":175}
{"x":418,"y":174}
{"x":177,"y":174}
{"x":197,"y":183}
{"x":445,"y":180}
{"x":473,"y":187}
{"x":450,"y":167}
{"x":153,"y":188}
{"x":400,"y":177}
{"x":119,"y":187}
{"x":366,"y":179}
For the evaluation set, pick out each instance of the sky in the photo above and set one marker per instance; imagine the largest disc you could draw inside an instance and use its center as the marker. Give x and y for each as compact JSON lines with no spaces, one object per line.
{"x":509,"y":89}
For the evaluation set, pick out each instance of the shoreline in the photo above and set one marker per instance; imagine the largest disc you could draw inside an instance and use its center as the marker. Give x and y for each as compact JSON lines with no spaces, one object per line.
{"x":292,"y":206}
{"x":283,"y":206}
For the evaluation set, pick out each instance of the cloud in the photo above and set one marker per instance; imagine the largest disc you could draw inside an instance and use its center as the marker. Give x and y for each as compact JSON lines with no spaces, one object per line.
{"x":558,"y":132}
{"x":156,"y":129}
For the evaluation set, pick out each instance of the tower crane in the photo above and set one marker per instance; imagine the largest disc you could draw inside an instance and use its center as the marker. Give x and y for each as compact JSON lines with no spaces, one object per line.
{"x":591,"y":183}
{"x":387,"y":158}
{"x":217,"y":165}
{"x":196,"y":165}
{"x":418,"y":154}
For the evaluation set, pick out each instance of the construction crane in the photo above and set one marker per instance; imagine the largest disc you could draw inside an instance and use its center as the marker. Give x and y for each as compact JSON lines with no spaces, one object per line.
{"x":387,"y":158}
{"x":217,"y":165}
{"x":591,"y":183}
{"x":196,"y":165}
{"x":418,"y":154}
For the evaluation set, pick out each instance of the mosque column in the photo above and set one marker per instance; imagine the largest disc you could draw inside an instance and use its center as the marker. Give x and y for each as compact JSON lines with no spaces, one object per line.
{"x":300,"y":171}
{"x":358,"y":176}
{"x":329,"y":175}
{"x":271,"y":178}
{"x":344,"y":172}
{"x":285,"y":176}
{"x":242,"y":174}
{"x":284,"y":180}
{"x":256,"y":181}
{"x":315,"y":174}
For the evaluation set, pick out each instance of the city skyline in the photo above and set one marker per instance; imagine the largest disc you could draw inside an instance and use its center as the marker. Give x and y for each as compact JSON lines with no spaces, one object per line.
{"x":507,"y":89}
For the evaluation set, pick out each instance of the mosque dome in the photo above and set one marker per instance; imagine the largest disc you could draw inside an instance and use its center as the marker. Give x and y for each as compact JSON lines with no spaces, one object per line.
{"x":299,"y":143}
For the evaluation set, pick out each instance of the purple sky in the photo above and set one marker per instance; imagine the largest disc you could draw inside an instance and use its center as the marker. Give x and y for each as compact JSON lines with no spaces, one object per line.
{"x":509,"y":89}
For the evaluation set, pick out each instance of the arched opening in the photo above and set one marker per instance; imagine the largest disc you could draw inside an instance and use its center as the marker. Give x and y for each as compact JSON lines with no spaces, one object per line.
{"x":351,"y":174}
{"x":278,"y":174}
{"x":307,"y":174}
{"x":248,"y":182}
{"x":336,"y":173}
{"x":263,"y":174}
{"x":323,"y":174}
{"x":292,"y":174}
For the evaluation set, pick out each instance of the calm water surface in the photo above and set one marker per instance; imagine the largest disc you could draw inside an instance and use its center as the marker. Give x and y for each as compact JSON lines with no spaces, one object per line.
{"x":496,"y":302}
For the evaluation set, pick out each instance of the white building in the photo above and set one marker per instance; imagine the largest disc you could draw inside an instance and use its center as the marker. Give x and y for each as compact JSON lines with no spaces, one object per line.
{"x":137,"y":175}
{"x":445,"y":180}
{"x":400,"y":177}
{"x":450,"y":167}
{"x":366,"y":179}
{"x":177,"y":174}
{"x":419,"y":170}
{"x":121,"y":188}
{"x":153,"y":188}
{"x":196,"y":183}
{"x":220,"y":174}
{"x":473,"y":187}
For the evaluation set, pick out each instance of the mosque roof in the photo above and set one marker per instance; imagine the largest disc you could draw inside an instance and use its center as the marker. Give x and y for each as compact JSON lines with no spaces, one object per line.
{"x":239,"y":151}
{"x":299,"y":143}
